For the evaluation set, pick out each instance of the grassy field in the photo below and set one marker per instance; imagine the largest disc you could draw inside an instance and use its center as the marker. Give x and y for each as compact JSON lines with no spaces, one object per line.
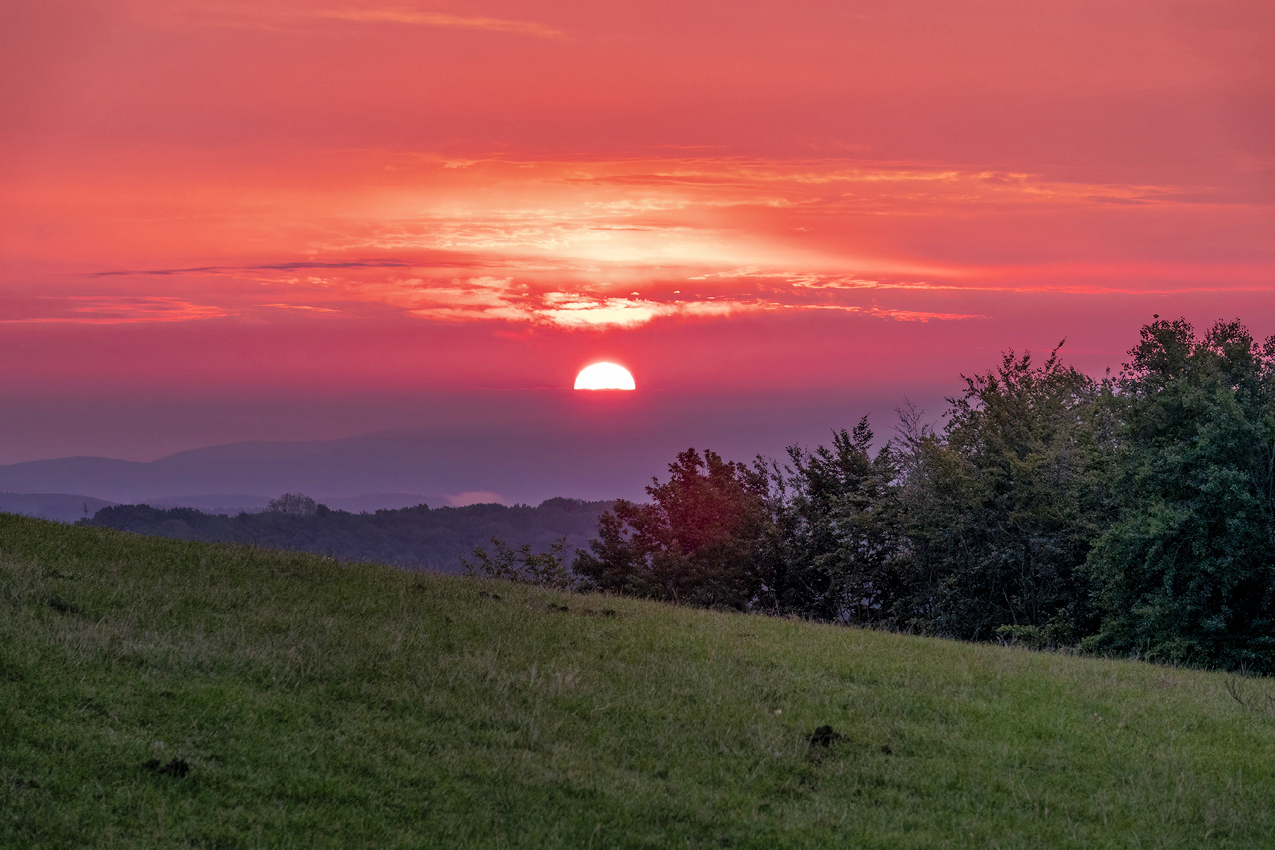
{"x":156,"y":693}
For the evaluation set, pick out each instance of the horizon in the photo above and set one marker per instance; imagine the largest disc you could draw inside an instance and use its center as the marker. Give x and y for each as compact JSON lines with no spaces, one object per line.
{"x":228,"y":222}
{"x":525,"y":446}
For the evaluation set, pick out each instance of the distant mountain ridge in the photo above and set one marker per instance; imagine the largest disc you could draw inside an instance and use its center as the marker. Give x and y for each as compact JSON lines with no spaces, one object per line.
{"x":520,"y":447}
{"x":520,"y":466}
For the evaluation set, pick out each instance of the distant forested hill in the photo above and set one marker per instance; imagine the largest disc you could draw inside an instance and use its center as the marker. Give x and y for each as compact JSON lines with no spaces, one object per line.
{"x":414,"y":538}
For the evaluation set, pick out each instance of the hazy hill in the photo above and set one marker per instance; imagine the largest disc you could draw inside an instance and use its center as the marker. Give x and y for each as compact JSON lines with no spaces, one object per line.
{"x":161,"y":693}
{"x":518,"y":467}
{"x":414,"y":538}
{"x":527,"y":448}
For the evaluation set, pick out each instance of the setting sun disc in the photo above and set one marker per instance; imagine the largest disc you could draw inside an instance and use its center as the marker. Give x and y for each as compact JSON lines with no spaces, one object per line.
{"x":604,"y":376}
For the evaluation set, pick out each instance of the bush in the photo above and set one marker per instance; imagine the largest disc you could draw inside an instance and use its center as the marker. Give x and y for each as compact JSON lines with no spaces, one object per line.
{"x":548,"y":569}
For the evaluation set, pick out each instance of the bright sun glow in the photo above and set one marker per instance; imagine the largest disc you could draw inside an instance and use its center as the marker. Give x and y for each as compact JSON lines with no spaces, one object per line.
{"x":604,"y":376}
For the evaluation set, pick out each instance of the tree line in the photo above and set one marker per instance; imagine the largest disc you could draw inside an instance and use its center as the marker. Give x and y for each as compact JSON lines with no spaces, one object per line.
{"x":414,"y":538}
{"x":1131,"y":515}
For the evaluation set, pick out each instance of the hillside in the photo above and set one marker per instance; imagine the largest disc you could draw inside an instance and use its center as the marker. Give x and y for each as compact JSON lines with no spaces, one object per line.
{"x":163,"y":693}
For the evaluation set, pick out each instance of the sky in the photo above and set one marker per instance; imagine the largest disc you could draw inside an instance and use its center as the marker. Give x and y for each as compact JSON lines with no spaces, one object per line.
{"x":298,"y":219}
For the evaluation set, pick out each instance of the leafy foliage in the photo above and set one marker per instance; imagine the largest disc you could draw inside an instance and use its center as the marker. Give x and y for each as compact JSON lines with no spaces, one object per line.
{"x":1004,"y":505}
{"x":293,"y":504}
{"x":547,"y":569}
{"x":702,"y":540}
{"x":837,"y":524}
{"x":1187,"y":573}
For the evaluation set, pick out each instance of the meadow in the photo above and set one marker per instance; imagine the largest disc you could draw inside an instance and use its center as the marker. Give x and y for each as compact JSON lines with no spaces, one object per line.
{"x":167,"y":693}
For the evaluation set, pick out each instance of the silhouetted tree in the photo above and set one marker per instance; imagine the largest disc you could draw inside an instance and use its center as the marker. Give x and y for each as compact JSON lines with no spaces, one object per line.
{"x":293,"y":504}
{"x":1003,"y":505}
{"x":837,"y":531}
{"x":703,"y":539}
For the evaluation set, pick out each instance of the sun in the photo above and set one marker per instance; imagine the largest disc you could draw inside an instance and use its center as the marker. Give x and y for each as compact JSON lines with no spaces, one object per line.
{"x":604,"y":376}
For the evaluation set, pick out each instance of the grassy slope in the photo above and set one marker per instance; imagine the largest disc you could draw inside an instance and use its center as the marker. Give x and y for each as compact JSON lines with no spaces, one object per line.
{"x":329,"y":705}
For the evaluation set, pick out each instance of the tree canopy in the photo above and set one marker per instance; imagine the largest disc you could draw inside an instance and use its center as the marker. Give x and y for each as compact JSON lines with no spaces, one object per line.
{"x":1131,"y":515}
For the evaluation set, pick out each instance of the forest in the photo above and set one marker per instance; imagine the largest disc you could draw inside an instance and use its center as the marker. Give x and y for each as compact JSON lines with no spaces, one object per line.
{"x":1132,"y":515}
{"x":414,"y":538}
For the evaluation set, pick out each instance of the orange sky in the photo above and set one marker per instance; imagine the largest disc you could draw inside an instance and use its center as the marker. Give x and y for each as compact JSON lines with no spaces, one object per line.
{"x":345,"y":200}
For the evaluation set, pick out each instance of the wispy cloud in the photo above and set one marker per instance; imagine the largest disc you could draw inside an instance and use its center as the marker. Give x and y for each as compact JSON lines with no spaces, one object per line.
{"x":115,"y":309}
{"x":305,"y":308}
{"x":620,"y":244}
{"x":292,"y":266}
{"x":439,"y":19}
{"x":287,"y":15}
{"x":920,"y":315}
{"x":504,"y":299}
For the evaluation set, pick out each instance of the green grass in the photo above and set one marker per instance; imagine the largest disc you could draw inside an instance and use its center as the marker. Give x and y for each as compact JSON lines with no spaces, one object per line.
{"x":320,"y":704}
